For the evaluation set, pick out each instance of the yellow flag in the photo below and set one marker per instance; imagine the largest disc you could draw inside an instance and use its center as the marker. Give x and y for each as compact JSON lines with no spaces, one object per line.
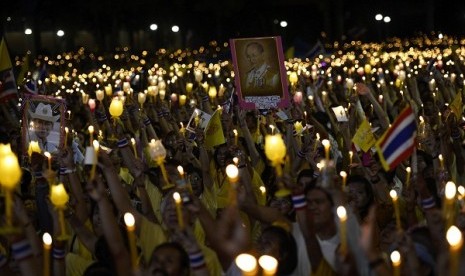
{"x":364,"y":138}
{"x":5,"y":62}
{"x":24,"y":70}
{"x":214,"y":131}
{"x":290,"y":52}
{"x":456,"y":105}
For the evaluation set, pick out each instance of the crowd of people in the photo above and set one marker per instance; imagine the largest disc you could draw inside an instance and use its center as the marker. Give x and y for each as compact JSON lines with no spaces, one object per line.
{"x":140,"y":207}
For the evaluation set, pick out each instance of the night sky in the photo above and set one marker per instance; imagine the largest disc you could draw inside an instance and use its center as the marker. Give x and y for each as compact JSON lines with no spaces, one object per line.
{"x":203,"y":20}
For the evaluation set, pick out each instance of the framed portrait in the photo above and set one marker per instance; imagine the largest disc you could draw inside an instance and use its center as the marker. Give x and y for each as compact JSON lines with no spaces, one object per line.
{"x":43,"y":122}
{"x":260,"y":75}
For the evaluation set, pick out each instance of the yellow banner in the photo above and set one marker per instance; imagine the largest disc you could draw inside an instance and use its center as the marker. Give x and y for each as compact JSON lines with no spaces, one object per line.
{"x":364,"y":138}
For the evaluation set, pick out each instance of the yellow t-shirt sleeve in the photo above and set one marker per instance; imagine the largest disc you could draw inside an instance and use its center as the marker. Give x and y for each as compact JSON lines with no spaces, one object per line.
{"x":324,"y":269}
{"x":151,"y":235}
{"x":211,"y":259}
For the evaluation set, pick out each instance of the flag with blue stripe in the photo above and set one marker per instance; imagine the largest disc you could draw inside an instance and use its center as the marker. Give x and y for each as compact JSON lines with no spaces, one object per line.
{"x":398,"y":143}
{"x":8,"y":88}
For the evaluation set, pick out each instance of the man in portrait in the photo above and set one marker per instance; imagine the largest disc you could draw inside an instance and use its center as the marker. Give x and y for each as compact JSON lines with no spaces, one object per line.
{"x":261,"y":76}
{"x":43,"y":120}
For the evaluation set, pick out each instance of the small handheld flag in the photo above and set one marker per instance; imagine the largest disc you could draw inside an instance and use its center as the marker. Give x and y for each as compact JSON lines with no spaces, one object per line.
{"x":398,"y":142}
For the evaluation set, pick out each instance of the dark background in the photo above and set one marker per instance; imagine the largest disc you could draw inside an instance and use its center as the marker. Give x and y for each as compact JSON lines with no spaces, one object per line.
{"x":201,"y":21}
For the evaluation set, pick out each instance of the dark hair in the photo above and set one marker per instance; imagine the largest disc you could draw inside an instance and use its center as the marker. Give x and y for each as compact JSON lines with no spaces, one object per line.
{"x":287,"y":249}
{"x":98,"y":269}
{"x":313,"y":186}
{"x":305,"y":173}
{"x":368,"y":190}
{"x":256,"y":45}
{"x":103,"y":254}
{"x":183,"y":256}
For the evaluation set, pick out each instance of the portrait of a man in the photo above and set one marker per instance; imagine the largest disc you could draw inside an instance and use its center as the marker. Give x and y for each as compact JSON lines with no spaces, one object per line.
{"x":261,"y":75}
{"x":259,"y":72}
{"x":42,"y":123}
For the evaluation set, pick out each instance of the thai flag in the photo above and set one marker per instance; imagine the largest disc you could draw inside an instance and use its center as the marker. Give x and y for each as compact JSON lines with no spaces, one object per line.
{"x":398,"y":142}
{"x":7,"y":85}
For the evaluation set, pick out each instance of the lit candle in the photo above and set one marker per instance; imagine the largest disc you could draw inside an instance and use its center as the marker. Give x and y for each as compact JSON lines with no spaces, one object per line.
{"x":351,"y":155}
{"x":316,"y":142}
{"x":247,"y":264}
{"x":182,"y":100}
{"x":59,"y":197}
{"x":396,"y":261}
{"x":189,"y":87}
{"x":66,"y":136}
{"x":450,"y":191}
{"x":325,"y":97}
{"x":133,"y":143}
{"x":99,"y":95}
{"x":178,"y":201}
{"x":293,"y":78}
{"x":233,"y":175}
{"x":181,"y":172}
{"x":116,"y":108}
{"x":263,"y":190}
{"x":212,"y":92}
{"x":47,"y":241}
{"x":342,"y":214}
{"x":236,"y":161}
{"x":275,"y":151}
{"x":49,"y":157}
{"x":108,"y":90}
{"x":407,"y":181}
{"x":33,"y":147}
{"x":395,"y":198}
{"x":269,"y":265}
{"x":380,"y":99}
{"x":94,"y":163}
{"x":455,"y":240}
{"x":141,"y":97}
{"x":91,"y":132}
{"x":310,"y":98}
{"x":343,"y":174}
{"x":326,"y":144}
{"x":272,"y":129}
{"x":131,"y":227}
{"x":235,"y":136}
{"x":441,"y":162}
{"x":182,"y":130}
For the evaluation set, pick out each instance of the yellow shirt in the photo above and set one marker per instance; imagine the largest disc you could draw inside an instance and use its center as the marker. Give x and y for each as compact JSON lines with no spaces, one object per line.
{"x":151,"y":235}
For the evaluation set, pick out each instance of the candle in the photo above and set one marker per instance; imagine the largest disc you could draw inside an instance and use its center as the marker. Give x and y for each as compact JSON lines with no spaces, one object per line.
{"x":343,"y":174}
{"x":325,"y":97}
{"x":272,"y":129}
{"x":91,"y":104}
{"x":212,"y":92}
{"x":396,"y":261}
{"x":221,"y":90}
{"x":108,"y":90}
{"x":326,"y":144}
{"x":59,"y":197}
{"x":380,"y":99}
{"x":91,"y":132}
{"x":269,"y":265}
{"x":247,"y":264}
{"x":395,"y":198}
{"x":182,"y":130}
{"x":94,"y":163}
{"x":407,"y":181}
{"x":10,"y":173}
{"x":316,"y":141}
{"x":47,"y":241}
{"x":181,"y":172}
{"x":49,"y":157}
{"x":441,"y":162}
{"x":342,"y":214}
{"x":189,"y":87}
{"x":450,"y":191}
{"x":275,"y":151}
{"x":131,"y":227}
{"x":455,"y":240}
{"x":235,"y":136}
{"x":33,"y":147}
{"x":66,"y":136}
{"x":99,"y":95}
{"x":177,"y":200}
{"x":133,"y":143}
{"x":293,"y":78}
{"x":351,"y":155}
{"x":141,"y":97}
{"x":162,"y":94}
{"x":233,"y":175}
{"x":310,"y":98}
{"x":182,"y":100}
{"x":263,"y":190}
{"x":236,"y":161}
{"x":116,"y":108}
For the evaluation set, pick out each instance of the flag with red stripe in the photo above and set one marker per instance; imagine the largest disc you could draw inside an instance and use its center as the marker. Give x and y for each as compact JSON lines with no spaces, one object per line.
{"x":398,"y":142}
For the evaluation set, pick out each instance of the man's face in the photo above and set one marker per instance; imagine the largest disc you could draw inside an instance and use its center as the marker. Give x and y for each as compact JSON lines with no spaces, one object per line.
{"x":166,"y":261}
{"x":320,"y":207}
{"x":254,"y":56}
{"x":42,"y":128}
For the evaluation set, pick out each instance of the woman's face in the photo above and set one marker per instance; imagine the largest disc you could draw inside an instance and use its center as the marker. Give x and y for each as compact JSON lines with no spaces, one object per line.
{"x":166,"y":261}
{"x":196,"y":183}
{"x":221,"y":156}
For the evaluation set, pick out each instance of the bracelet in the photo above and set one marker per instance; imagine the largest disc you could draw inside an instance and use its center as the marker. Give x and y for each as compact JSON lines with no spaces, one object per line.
{"x":3,"y":260}
{"x":299,"y":201}
{"x":375,"y":263}
{"x":160,"y":114}
{"x":122,"y":143}
{"x":58,"y":253}
{"x":197,"y":260}
{"x":147,"y":122}
{"x":205,"y":99}
{"x":301,"y":154}
{"x":64,"y":171}
{"x":428,"y":203}
{"x":21,"y":250}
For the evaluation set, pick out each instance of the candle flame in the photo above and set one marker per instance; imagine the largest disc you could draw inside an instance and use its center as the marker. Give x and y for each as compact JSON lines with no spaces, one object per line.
{"x":47,"y":238}
{"x":129,"y":219}
{"x":454,"y":236}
